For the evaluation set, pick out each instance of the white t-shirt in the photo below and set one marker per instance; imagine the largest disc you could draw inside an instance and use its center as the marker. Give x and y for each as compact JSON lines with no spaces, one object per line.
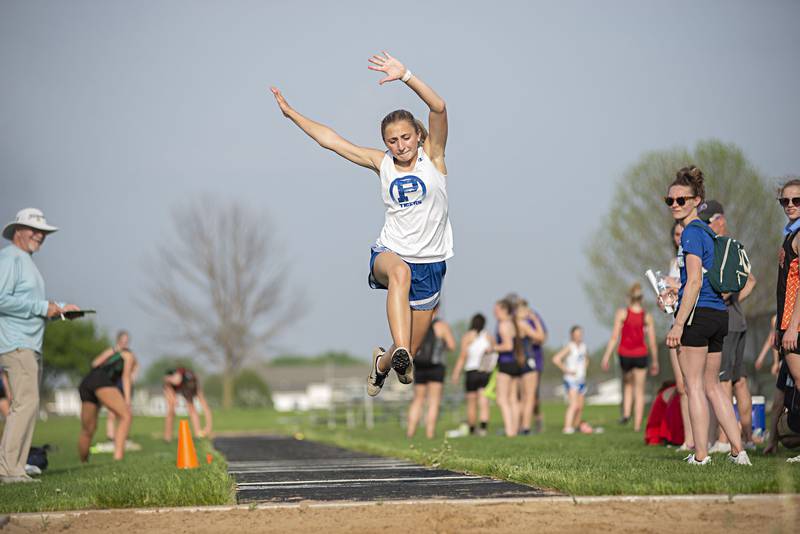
{"x":575,"y":362}
{"x":479,"y":346}
{"x":417,"y":226}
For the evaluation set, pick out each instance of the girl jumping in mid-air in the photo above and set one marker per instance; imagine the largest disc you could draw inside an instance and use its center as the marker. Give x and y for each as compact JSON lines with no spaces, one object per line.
{"x":408,"y":258}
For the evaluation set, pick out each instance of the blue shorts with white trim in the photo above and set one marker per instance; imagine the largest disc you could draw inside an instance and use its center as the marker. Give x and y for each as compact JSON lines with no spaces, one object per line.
{"x":426,"y":281}
{"x":572,"y":383}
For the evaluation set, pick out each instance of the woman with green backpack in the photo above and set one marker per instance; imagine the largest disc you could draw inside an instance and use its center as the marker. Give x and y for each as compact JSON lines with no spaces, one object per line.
{"x":701,"y":321}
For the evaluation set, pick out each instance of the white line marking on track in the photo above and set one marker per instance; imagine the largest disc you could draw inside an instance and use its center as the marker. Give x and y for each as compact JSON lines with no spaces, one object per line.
{"x":326,"y":469}
{"x":266,"y":483}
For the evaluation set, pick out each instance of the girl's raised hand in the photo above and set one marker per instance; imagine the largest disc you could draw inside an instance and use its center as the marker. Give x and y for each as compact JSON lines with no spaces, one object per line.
{"x":393,"y":69}
{"x":285,"y":107}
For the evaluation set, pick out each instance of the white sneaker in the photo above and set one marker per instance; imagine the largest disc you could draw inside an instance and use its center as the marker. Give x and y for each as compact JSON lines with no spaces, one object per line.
{"x":32,"y":470}
{"x":684,"y":448}
{"x":568,"y":430}
{"x":691,"y":460}
{"x":749,"y":446}
{"x":739,"y":459}
{"x":375,"y":379}
{"x":719,"y":447}
{"x":795,"y":460}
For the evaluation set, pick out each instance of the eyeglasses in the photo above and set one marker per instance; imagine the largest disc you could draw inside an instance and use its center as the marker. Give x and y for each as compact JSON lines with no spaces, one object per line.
{"x":785,"y":201}
{"x":680,"y":200}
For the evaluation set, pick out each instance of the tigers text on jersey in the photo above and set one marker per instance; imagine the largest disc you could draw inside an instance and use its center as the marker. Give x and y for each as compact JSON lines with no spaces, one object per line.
{"x":417,"y":226}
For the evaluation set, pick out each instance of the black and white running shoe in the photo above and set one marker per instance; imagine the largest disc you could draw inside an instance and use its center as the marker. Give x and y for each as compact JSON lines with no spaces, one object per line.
{"x":403,"y":365}
{"x":376,"y":378}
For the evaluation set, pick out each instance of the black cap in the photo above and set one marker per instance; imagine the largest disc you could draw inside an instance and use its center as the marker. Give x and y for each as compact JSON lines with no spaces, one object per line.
{"x":708,"y":209}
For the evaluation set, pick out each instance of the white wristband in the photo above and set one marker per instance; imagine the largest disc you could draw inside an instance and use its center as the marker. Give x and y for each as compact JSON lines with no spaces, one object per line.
{"x":407,"y":76}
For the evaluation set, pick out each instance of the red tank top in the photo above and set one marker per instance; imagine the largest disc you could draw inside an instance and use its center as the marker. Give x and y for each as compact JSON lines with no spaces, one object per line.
{"x":631,"y":344}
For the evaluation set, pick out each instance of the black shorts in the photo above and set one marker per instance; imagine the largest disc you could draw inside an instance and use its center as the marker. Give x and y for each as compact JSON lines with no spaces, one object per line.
{"x":782,"y":352}
{"x":509,"y":368}
{"x":732,"y":365}
{"x":434,"y":373}
{"x":2,"y":391}
{"x":632,"y":362}
{"x":708,"y":329}
{"x":95,"y":380}
{"x":476,"y":380}
{"x":785,"y":382}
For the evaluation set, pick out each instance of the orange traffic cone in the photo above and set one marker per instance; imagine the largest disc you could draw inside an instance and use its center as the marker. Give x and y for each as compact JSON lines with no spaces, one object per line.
{"x":187,"y":457}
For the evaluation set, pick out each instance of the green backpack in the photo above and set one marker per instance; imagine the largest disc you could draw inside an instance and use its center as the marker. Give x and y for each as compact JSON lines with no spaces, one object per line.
{"x":731,"y":267}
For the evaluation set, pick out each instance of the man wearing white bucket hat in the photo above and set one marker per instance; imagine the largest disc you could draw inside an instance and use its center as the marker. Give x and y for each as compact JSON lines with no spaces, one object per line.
{"x":23,"y":311}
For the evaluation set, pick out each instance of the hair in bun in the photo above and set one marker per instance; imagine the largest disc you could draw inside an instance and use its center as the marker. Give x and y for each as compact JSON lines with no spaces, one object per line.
{"x":692,"y":177}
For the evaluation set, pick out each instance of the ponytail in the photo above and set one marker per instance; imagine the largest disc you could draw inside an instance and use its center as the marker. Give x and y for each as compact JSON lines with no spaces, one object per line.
{"x":421,"y":130}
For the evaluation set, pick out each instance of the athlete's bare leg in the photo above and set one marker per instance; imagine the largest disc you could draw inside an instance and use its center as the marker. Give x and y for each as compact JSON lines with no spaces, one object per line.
{"x":112,"y":398}
{"x":415,"y":409}
{"x":434,"y":401}
{"x":680,"y":385}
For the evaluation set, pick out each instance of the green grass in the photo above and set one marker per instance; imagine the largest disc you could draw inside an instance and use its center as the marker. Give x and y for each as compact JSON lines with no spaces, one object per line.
{"x":614,"y":463}
{"x":147,"y":478}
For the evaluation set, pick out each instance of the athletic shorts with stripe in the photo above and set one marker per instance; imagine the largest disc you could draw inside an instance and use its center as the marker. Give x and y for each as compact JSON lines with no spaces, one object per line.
{"x":426,"y":281}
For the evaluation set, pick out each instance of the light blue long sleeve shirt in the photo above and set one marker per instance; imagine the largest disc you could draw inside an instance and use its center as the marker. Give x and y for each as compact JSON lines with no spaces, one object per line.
{"x":23,"y":306}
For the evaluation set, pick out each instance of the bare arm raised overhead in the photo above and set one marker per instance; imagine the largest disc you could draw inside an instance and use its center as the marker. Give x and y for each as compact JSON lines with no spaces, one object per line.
{"x":328,"y":138}
{"x":437,"y":118}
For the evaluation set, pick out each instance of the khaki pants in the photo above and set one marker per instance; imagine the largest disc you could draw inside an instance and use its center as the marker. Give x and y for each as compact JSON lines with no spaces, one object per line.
{"x":23,"y":367}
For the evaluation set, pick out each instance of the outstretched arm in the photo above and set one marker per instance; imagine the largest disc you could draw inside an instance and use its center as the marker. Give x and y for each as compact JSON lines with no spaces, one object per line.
{"x":327,"y":138}
{"x":437,"y":118}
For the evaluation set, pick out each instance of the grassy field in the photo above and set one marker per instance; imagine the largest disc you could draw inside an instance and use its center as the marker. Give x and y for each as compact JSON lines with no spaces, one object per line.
{"x":613,"y":463}
{"x":147,"y":478}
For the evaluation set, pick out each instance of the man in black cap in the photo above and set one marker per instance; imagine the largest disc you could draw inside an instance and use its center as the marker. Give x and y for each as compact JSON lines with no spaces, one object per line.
{"x":733,"y":376}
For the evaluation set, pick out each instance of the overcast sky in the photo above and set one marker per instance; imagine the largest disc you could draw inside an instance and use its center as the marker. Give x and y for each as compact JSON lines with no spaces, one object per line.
{"x":113,"y":113}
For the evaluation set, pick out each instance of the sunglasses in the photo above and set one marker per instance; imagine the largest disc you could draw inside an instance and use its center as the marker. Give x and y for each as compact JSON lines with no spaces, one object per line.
{"x":681,"y":201}
{"x":785,"y":201}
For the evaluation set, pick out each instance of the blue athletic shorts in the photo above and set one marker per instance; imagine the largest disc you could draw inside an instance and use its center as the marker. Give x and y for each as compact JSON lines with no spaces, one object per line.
{"x":571,"y":383}
{"x":426,"y":281}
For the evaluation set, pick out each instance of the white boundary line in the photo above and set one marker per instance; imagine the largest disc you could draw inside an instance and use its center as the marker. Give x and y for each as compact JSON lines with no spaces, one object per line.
{"x":769,"y":498}
{"x":335,"y":481}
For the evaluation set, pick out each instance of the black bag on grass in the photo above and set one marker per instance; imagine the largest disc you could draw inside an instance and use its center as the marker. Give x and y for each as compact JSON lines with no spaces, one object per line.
{"x":38,"y":456}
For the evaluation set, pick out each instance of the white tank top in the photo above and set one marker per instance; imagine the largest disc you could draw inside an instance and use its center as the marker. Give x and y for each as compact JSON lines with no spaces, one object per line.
{"x":476,"y":350}
{"x":575,"y":362}
{"x":417,"y":226}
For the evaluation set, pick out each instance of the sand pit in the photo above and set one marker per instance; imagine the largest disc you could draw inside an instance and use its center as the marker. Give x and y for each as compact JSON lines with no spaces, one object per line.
{"x":761,"y":514}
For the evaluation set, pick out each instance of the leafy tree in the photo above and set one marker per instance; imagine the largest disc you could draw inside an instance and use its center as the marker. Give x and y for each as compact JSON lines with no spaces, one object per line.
{"x":635,"y":234}
{"x":69,"y":348}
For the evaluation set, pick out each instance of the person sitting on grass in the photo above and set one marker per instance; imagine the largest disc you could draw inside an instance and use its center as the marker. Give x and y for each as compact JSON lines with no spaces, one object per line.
{"x":100,"y":387}
{"x":573,"y":359}
{"x":185,"y":382}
